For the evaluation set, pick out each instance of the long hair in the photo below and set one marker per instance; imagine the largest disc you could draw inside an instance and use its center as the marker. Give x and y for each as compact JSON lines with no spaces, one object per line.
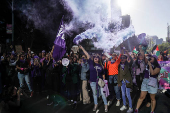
{"x":99,"y":62}
{"x":155,"y":63}
{"x":136,"y":62}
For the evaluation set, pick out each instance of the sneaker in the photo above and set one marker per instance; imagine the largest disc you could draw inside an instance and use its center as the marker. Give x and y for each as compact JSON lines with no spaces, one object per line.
{"x":109,"y":103}
{"x":130,"y":110}
{"x":74,"y":106}
{"x":106,"y":108}
{"x":136,"y":111}
{"x":123,"y":108}
{"x":118,"y":103}
{"x":95,"y":107}
{"x":56,"y":104}
{"x":49,"y":104}
{"x":31,"y":93}
{"x":48,"y":97}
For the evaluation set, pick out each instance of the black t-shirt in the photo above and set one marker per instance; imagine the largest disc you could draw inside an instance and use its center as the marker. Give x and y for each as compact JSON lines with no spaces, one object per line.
{"x":22,"y":64}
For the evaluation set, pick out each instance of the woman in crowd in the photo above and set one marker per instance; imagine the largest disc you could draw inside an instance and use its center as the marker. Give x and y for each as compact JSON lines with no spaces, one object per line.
{"x":96,"y":70}
{"x":139,"y":69}
{"x":23,"y":72}
{"x":45,"y":65}
{"x":125,"y":80}
{"x":12,"y":72}
{"x":36,"y":74}
{"x":83,"y":76}
{"x":70,"y":79}
{"x":160,"y":58}
{"x":149,"y":84}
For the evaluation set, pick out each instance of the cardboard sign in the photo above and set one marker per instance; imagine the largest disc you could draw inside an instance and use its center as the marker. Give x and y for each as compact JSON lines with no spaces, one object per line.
{"x":18,"y":48}
{"x":75,"y":48}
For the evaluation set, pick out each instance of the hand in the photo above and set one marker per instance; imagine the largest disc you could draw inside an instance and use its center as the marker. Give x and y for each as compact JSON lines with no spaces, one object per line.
{"x":80,"y":47}
{"x":18,"y":92}
{"x":149,"y":63}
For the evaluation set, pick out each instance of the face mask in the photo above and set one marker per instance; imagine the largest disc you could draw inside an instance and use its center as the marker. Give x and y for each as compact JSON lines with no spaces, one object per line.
{"x":112,"y":61}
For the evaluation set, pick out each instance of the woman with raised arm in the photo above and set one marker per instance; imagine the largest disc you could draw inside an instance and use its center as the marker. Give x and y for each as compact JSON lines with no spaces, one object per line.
{"x":96,"y":70}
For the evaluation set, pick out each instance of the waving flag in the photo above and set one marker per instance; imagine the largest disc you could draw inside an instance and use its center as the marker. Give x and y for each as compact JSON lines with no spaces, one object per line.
{"x":59,"y":44}
{"x":135,"y":51}
{"x":156,"y":51}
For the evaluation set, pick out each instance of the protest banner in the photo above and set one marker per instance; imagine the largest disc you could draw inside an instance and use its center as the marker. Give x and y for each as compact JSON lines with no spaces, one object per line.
{"x":18,"y":48}
{"x":164,"y":76}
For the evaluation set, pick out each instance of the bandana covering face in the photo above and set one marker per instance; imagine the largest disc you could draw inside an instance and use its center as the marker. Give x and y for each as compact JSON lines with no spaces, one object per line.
{"x":112,"y":61}
{"x":123,"y":66}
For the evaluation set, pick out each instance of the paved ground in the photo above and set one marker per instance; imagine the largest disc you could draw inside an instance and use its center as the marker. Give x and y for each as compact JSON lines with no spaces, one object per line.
{"x":37,"y":104}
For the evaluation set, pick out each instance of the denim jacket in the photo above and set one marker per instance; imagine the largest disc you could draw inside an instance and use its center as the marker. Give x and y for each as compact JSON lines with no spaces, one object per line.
{"x":84,"y":69}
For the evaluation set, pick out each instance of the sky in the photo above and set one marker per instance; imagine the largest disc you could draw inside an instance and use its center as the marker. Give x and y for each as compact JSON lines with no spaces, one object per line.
{"x":148,"y":16}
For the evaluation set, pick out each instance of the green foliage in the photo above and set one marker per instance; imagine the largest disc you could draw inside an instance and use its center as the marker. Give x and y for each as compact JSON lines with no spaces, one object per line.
{"x":164,"y":46}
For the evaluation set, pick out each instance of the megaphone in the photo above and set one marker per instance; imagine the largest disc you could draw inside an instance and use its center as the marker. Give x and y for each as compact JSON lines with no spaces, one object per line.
{"x":65,"y":61}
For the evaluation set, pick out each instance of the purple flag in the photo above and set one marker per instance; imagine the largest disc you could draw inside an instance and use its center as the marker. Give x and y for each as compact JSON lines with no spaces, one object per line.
{"x":142,"y":39}
{"x":59,"y":44}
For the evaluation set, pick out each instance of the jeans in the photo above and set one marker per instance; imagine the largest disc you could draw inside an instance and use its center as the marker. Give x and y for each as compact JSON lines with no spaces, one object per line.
{"x":126,"y":91}
{"x":93,"y":87}
{"x":113,"y":86}
{"x":21,"y":80}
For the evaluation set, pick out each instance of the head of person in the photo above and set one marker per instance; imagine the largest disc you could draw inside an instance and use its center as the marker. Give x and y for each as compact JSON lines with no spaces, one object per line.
{"x":40,"y":54}
{"x":114,"y":56}
{"x":123,"y":58}
{"x":160,"y":58}
{"x":140,"y":56}
{"x":103,"y":57}
{"x":21,"y":56}
{"x":43,"y":53}
{"x":29,"y":49}
{"x":47,"y":57}
{"x":12,"y":56}
{"x":153,"y":60}
{"x":96,"y":59}
{"x":75,"y":59}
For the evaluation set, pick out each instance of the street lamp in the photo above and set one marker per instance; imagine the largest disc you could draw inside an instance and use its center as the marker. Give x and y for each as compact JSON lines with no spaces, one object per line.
{"x":13,"y":22}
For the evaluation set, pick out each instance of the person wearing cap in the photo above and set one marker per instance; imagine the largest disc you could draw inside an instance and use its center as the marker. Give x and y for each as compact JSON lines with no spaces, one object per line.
{"x":112,"y":67}
{"x":125,"y":80}
{"x":150,"y":83}
{"x":23,"y":72}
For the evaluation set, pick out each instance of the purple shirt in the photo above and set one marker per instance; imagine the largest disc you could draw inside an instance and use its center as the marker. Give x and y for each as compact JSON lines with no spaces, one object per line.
{"x":93,"y":72}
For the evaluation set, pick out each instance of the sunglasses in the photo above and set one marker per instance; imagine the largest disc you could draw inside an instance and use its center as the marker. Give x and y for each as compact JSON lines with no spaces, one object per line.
{"x":95,"y":56}
{"x":122,"y":57}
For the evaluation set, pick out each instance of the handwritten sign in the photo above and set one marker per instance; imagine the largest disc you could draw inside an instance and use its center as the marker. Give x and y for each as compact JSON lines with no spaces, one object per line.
{"x":75,"y":48}
{"x":18,"y":48}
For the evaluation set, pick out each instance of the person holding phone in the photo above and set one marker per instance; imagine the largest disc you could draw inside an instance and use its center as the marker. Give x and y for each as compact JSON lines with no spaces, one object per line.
{"x":150,"y":83}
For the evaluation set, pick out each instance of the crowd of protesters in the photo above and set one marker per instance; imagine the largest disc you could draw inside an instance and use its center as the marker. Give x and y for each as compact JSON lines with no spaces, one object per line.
{"x":40,"y":72}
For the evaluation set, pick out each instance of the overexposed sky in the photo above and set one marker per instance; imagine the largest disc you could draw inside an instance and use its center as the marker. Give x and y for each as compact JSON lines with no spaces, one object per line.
{"x":148,"y":16}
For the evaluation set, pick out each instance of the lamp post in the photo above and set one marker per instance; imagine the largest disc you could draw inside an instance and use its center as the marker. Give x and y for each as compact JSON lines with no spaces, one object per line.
{"x":13,"y":22}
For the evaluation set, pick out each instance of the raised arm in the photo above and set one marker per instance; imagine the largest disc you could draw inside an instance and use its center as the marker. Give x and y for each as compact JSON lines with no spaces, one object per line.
{"x":142,"y":53}
{"x":85,"y":52}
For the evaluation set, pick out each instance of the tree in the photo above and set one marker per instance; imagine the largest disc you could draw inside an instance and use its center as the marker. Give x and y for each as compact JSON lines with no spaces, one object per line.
{"x":164,"y":46}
